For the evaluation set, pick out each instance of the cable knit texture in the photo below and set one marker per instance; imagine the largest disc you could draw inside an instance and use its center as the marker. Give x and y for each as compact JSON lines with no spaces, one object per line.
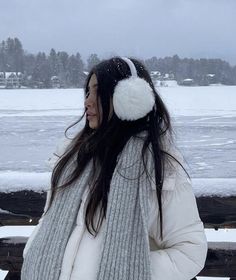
{"x":125,"y":248}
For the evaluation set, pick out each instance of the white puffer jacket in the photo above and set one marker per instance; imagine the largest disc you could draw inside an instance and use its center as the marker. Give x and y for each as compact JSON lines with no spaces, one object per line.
{"x":180,"y":256}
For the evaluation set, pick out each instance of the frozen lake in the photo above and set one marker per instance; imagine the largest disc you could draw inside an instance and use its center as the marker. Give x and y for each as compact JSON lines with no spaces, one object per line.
{"x":33,"y":122}
{"x":208,"y":143}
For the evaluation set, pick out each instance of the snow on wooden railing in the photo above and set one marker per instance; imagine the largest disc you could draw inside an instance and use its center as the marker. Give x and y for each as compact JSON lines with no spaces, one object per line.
{"x":25,"y":207}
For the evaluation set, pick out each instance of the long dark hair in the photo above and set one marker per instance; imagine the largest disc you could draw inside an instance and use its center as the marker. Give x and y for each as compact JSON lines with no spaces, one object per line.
{"x":104,"y":144}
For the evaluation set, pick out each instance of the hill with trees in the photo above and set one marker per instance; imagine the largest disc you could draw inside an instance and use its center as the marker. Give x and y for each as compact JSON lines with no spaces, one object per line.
{"x":62,"y":70}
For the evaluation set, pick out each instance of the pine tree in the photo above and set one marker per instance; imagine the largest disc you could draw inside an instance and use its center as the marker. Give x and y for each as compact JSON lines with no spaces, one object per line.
{"x":18,"y":56}
{"x":75,"y":71}
{"x":54,"y":63}
{"x":63,"y":63}
{"x":3,"y":56}
{"x":92,"y":60}
{"x":42,"y":72}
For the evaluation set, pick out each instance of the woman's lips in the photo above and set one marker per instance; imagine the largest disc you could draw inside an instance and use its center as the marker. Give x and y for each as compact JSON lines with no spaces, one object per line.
{"x":90,"y":116}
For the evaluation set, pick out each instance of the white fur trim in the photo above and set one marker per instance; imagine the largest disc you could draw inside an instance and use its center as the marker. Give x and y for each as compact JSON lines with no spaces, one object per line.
{"x":133,"y":99}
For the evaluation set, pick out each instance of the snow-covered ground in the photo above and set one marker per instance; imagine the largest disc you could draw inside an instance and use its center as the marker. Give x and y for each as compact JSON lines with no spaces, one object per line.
{"x":218,"y":101}
{"x":40,"y":181}
{"x":33,"y":122}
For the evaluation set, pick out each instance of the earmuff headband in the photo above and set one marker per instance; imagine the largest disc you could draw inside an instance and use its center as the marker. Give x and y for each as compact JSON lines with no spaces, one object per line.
{"x":133,"y":97}
{"x":131,"y":66}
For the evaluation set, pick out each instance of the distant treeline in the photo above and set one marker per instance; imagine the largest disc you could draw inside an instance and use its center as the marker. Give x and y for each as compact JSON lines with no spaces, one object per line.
{"x":203,"y":71}
{"x":59,"y":69}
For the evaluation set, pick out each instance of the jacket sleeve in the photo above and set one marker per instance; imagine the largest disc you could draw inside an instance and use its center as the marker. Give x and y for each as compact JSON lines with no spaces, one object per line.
{"x":182,"y":253}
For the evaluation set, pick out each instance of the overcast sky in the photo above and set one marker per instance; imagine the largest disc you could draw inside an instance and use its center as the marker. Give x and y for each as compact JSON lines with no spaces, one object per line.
{"x":189,"y":28}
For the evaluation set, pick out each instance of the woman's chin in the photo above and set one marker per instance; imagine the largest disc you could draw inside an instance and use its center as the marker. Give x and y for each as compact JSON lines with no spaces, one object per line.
{"x":93,"y":125}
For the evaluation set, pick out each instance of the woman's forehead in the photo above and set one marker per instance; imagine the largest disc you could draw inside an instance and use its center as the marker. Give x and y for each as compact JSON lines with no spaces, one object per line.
{"x":93,"y":82}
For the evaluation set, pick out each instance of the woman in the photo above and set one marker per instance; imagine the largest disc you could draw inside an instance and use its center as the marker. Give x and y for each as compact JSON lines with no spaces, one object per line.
{"x":121,"y":204}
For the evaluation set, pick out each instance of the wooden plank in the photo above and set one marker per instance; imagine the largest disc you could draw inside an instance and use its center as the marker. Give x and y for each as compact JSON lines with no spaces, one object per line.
{"x":221,"y":257}
{"x":217,"y":212}
{"x":11,"y":253}
{"x":221,"y":260}
{"x":12,"y":276}
{"x":26,"y":207}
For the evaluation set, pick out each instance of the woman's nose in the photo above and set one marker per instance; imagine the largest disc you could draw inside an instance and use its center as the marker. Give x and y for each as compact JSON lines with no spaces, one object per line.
{"x":88,"y":102}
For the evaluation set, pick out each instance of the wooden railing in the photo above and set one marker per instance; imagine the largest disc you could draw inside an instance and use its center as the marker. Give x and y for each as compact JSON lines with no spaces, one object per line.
{"x":26,"y":207}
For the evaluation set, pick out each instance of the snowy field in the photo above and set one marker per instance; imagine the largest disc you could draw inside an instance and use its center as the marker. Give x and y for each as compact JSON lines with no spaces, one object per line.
{"x":203,"y":118}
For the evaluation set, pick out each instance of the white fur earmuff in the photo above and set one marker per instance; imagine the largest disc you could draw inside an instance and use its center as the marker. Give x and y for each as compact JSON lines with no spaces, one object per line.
{"x":133,"y":97}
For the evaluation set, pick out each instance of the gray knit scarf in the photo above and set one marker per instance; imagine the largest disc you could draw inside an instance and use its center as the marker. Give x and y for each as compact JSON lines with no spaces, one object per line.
{"x":125,"y":250}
